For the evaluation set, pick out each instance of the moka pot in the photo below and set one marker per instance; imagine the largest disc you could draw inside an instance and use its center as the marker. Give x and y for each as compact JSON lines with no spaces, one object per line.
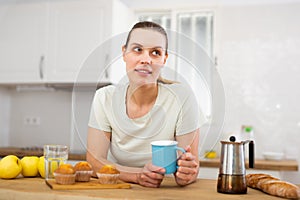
{"x":232,"y":172}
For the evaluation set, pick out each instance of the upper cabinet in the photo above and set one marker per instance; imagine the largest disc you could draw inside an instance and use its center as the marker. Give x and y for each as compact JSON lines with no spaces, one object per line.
{"x":60,"y":41}
{"x":22,"y":41}
{"x":75,"y":29}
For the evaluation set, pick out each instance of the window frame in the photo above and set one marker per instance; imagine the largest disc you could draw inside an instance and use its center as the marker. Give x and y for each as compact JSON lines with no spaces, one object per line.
{"x":174,"y":26}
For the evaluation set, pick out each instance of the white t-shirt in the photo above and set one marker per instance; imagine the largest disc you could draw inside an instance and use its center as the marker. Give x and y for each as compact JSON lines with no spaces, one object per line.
{"x":175,"y":112}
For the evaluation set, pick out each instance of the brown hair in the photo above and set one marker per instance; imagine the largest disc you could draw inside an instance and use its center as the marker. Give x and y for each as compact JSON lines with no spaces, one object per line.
{"x":158,"y":28}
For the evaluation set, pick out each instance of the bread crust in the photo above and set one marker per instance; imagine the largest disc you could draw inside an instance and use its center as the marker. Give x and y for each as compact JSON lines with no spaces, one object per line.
{"x":273,"y":186}
{"x":254,"y":179}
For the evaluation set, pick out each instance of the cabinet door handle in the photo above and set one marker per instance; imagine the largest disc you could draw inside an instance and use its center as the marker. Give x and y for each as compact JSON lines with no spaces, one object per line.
{"x":106,"y":74}
{"x":41,"y":67}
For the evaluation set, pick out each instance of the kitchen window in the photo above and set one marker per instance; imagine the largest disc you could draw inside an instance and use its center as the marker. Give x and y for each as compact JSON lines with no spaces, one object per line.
{"x":195,"y":36}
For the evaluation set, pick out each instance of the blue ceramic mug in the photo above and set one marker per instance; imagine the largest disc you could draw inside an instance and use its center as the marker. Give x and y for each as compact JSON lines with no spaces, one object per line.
{"x":164,"y":154}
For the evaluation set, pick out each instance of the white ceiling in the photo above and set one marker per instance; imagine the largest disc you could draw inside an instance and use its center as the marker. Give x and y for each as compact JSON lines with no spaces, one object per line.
{"x":144,"y":4}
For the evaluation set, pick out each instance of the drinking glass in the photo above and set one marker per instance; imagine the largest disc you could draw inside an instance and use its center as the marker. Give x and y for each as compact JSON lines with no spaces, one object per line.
{"x":55,"y":155}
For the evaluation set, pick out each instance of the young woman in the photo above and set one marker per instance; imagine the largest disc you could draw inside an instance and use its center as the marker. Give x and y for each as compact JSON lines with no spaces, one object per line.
{"x":126,"y":118}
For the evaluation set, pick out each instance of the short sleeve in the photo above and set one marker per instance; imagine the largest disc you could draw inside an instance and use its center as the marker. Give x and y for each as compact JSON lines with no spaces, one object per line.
{"x":191,"y":116}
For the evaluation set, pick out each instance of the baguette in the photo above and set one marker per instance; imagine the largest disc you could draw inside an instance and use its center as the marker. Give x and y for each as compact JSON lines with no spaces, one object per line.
{"x":273,"y":186}
{"x":253,"y":180}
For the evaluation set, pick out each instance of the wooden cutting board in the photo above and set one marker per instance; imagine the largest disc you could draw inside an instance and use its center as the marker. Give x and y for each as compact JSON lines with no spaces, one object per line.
{"x":92,"y":184}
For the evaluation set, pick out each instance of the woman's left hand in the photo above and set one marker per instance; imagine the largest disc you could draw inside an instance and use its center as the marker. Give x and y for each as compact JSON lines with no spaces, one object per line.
{"x":188,"y":166}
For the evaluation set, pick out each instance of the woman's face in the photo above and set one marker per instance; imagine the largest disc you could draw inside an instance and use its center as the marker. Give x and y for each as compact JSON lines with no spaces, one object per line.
{"x":145,"y":55}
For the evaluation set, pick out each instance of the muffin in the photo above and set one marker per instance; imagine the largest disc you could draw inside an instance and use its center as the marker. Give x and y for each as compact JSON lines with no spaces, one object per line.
{"x":65,"y":174}
{"x":108,"y":174}
{"x":83,"y":171}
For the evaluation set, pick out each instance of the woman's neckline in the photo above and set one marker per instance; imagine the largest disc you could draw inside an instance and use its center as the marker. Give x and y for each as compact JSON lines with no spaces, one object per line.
{"x":144,"y":116}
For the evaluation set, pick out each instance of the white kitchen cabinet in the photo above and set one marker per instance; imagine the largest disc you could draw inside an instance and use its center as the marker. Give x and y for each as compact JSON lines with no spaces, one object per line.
{"x":82,"y":39}
{"x":50,"y":41}
{"x":76,"y":29}
{"x":22,"y":40}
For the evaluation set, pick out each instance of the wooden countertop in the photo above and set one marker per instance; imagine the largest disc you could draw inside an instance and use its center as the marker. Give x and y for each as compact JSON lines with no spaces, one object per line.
{"x":36,"y":188}
{"x":260,"y":164}
{"x":33,"y":151}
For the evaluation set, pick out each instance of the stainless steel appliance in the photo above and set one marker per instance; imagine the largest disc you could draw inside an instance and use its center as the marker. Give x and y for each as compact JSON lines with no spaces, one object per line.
{"x":232,"y":172}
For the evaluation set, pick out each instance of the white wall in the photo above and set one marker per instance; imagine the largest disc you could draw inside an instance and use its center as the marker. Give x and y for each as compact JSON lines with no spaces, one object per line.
{"x":81,"y":106}
{"x":4,"y":116}
{"x":258,"y":49}
{"x":53,"y":110}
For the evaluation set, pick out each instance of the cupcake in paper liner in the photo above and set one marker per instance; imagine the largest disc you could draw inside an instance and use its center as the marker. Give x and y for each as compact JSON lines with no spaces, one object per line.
{"x":65,"y":174}
{"x":83,"y":171}
{"x":108,"y":174}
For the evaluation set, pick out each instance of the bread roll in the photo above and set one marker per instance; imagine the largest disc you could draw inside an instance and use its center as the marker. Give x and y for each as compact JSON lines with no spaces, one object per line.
{"x":273,"y":186}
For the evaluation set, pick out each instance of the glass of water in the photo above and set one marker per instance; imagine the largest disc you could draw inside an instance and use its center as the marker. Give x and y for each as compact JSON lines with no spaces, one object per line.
{"x":55,"y":155}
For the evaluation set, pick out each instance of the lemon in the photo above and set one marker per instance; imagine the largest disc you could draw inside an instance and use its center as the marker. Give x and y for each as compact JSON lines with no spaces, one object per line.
{"x":30,"y":166}
{"x":210,"y":154}
{"x":41,"y":166}
{"x":10,"y":167}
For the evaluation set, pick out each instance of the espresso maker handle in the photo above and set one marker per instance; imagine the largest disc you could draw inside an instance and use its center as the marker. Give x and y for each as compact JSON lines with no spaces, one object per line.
{"x":251,"y":154}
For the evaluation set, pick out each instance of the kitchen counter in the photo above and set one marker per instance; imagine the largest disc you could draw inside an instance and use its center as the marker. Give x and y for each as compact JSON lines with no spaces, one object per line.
{"x":33,"y":151}
{"x":260,"y":164}
{"x":36,"y":188}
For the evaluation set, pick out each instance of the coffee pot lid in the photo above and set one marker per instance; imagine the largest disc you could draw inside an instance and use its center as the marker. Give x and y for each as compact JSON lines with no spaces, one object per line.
{"x":232,"y":140}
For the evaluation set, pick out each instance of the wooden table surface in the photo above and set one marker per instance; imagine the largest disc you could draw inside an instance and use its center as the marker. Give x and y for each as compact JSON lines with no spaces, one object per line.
{"x":36,"y":188}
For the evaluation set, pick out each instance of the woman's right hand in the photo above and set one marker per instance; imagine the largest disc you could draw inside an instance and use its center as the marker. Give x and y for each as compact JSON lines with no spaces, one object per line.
{"x":151,"y":176}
